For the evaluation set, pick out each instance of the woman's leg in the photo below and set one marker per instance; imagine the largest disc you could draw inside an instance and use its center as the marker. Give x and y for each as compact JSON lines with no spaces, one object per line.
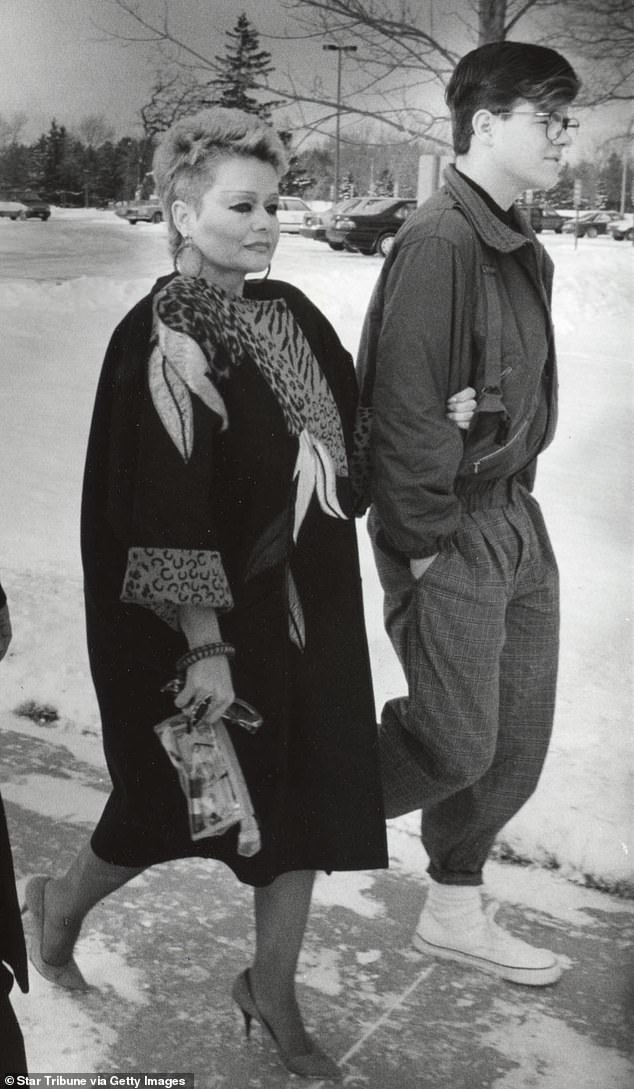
{"x":68,"y":899}
{"x":281,"y":913}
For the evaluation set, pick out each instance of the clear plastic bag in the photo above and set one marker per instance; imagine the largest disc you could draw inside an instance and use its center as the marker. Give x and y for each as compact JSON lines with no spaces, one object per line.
{"x":209,"y":772}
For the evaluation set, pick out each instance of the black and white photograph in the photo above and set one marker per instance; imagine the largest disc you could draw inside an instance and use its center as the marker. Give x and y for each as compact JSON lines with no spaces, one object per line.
{"x":316,"y":743}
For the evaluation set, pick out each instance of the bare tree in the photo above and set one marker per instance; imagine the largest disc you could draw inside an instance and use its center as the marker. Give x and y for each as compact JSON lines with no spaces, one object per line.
{"x":406,"y":50}
{"x":186,"y":69}
{"x":174,"y":94}
{"x":94,"y":130}
{"x":11,"y":128}
{"x":391,"y":34}
{"x":425,"y":37}
{"x":600,"y":33}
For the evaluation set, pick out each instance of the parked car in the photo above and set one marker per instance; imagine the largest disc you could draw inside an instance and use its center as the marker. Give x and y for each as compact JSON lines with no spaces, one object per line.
{"x":12,"y":209}
{"x":136,"y":211}
{"x":590,"y":224}
{"x":622,"y":228}
{"x":316,"y":224}
{"x":545,"y":219}
{"x":34,"y":206}
{"x":290,"y":214}
{"x":313,"y":226}
{"x":370,"y":228}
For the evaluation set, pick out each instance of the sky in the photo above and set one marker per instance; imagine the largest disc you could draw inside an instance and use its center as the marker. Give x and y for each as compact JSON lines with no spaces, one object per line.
{"x":57,"y":59}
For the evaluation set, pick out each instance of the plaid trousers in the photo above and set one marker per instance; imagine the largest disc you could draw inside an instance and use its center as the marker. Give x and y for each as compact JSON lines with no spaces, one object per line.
{"x":478,"y":638}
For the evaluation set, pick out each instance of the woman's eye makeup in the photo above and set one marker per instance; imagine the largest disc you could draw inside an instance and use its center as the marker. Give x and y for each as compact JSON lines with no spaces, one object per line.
{"x":246,"y":206}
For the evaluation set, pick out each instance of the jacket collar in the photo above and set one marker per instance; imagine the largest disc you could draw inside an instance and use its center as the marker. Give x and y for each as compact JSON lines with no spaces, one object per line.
{"x":491,"y":230}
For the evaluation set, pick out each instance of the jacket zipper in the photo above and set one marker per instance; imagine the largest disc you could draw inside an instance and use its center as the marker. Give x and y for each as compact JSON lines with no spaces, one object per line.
{"x":503,"y":449}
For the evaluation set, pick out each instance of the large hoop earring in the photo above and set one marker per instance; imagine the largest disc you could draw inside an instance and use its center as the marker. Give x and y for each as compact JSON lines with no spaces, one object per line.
{"x":188,"y":259}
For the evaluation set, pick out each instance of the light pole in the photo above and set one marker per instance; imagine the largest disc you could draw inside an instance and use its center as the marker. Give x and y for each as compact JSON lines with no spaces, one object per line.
{"x":339,"y":50}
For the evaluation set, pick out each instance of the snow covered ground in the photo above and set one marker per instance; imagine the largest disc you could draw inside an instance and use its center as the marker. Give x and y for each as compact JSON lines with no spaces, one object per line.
{"x":63,"y":287}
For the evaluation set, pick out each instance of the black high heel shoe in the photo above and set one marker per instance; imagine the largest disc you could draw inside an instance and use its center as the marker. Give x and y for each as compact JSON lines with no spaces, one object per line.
{"x":312,"y":1064}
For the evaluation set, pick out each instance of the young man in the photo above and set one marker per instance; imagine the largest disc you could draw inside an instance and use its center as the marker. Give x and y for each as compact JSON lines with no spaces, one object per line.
{"x":470,"y":581}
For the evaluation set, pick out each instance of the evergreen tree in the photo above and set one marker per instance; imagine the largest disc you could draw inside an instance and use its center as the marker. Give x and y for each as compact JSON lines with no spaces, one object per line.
{"x":243,"y":65}
{"x":53,"y":153}
{"x":561,"y":196}
{"x":347,"y":187}
{"x":587,"y":172}
{"x":134,"y":159}
{"x":316,"y":163}
{"x":600,"y":195}
{"x":54,"y":180}
{"x":611,"y":181}
{"x":68,"y":170}
{"x":14,"y":167}
{"x":37,"y":164}
{"x":385,"y":183}
{"x":74,"y":172}
{"x":296,"y":179}
{"x":106,"y":177}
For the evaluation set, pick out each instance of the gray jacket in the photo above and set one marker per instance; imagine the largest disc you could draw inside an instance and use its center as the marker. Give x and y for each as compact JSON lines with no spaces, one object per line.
{"x":461,"y":300}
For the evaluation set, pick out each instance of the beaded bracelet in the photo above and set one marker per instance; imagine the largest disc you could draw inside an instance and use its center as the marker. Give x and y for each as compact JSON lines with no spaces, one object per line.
{"x":207,"y":650}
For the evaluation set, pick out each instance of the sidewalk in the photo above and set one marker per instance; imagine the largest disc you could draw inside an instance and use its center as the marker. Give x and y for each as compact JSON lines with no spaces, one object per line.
{"x":162,"y":954}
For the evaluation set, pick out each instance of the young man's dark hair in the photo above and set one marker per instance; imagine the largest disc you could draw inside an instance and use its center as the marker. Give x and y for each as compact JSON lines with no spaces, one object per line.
{"x":495,"y":76}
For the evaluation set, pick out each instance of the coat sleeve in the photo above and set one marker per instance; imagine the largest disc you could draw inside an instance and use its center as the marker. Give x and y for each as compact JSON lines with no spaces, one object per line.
{"x":423,"y":356}
{"x":161,"y":488}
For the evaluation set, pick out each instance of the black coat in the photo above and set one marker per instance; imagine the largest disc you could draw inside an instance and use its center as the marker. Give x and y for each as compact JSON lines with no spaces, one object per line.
{"x":223,"y":517}
{"x":12,"y":948}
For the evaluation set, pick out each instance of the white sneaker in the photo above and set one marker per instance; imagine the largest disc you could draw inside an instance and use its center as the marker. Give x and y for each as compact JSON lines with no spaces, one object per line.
{"x":488,"y":947}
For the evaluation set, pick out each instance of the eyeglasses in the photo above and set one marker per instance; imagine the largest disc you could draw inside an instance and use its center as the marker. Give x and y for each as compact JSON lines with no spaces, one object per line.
{"x":554,"y":122}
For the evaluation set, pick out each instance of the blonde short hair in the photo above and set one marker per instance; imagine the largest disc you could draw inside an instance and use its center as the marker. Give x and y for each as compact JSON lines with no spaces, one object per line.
{"x":189,"y":152}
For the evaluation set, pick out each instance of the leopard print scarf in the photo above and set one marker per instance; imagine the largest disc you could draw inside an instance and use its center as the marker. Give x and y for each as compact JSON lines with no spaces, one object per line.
{"x":266,"y":331}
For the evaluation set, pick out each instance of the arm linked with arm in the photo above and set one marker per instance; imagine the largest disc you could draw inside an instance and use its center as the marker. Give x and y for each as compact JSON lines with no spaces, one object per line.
{"x":422,"y":359}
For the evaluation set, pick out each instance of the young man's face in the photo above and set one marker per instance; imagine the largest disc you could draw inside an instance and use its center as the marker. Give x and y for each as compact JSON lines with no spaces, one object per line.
{"x":524,"y":148}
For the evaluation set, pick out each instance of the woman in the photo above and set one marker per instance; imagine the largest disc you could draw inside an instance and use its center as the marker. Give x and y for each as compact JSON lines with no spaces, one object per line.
{"x":217,"y":515}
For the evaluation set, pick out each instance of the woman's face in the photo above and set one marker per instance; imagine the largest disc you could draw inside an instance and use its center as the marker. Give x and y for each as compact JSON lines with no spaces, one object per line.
{"x":236,"y":227}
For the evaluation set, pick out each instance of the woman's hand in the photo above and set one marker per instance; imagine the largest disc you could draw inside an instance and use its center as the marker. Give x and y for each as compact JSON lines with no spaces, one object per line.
{"x":461,"y":407}
{"x":211,"y":677}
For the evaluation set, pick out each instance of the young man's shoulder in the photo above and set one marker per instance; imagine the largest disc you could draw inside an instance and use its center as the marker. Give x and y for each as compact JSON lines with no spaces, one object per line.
{"x":439,"y":218}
